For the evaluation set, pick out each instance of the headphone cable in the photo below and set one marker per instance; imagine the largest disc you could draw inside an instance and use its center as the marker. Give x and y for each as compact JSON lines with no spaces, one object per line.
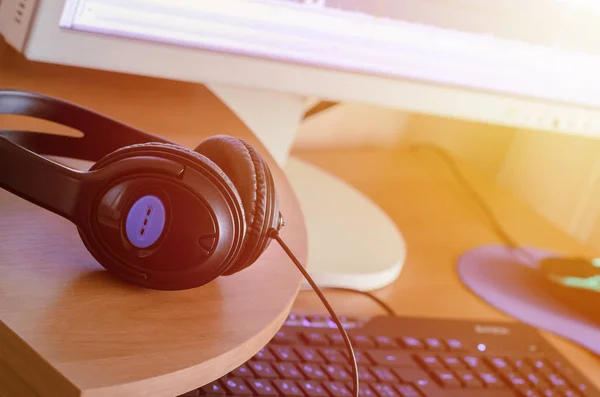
{"x":352,"y":357}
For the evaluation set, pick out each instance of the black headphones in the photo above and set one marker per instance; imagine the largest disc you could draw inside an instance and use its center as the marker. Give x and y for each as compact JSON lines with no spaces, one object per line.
{"x":151,"y":212}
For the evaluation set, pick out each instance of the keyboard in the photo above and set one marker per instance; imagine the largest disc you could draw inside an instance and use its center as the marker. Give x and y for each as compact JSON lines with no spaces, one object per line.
{"x":404,"y":357}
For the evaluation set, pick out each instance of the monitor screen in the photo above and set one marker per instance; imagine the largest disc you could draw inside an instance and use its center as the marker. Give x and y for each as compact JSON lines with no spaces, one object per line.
{"x":536,"y":48}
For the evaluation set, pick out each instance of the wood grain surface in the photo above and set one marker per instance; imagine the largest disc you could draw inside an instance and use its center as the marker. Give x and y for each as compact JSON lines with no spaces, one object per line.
{"x":439,"y":221}
{"x":66,"y":327}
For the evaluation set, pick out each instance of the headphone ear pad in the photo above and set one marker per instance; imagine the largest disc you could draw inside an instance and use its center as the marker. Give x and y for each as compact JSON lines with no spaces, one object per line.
{"x":192,"y":155}
{"x":252,"y":178}
{"x":196,"y":160}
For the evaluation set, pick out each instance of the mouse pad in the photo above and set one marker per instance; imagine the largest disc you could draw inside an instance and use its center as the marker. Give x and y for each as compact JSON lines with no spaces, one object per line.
{"x":518,"y":289}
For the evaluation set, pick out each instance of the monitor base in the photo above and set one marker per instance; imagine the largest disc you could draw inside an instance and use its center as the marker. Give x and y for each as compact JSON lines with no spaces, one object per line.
{"x":352,"y":242}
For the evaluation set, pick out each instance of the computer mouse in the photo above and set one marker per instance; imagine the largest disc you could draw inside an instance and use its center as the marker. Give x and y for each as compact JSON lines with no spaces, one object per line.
{"x":579,"y":273}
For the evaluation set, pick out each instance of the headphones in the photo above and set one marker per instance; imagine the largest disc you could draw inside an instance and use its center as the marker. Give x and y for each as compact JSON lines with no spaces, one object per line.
{"x":151,"y":212}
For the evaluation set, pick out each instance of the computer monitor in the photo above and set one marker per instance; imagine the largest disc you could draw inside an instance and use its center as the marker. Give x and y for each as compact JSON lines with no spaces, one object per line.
{"x":529,"y":64}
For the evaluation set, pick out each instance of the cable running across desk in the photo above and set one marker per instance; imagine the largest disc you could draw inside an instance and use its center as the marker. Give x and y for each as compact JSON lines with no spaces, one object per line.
{"x":465,"y":184}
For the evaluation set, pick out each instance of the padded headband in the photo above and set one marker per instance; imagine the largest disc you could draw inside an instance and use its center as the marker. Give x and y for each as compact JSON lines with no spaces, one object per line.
{"x":102,"y":135}
{"x":25,"y":172}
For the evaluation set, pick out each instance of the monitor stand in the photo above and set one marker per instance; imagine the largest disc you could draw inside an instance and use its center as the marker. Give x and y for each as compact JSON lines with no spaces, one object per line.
{"x":352,"y":242}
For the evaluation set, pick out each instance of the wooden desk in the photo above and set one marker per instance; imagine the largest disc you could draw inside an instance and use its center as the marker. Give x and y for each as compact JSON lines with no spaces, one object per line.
{"x":439,"y":221}
{"x":436,"y":216}
{"x":66,"y":328}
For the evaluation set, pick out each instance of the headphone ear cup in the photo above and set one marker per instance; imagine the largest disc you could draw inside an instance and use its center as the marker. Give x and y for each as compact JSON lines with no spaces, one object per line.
{"x":181,"y":150}
{"x":198,"y":161}
{"x":252,"y":178}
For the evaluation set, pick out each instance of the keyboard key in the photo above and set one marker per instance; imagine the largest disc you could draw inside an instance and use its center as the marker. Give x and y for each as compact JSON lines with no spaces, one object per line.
{"x":452,"y":362}
{"x":550,"y":393}
{"x":430,"y":361}
{"x":262,"y":369}
{"x":336,"y":340}
{"x":364,"y":390}
{"x":393,"y":358}
{"x":537,"y":380}
{"x":364,"y":375}
{"x":411,"y":343}
{"x":384,"y":390}
{"x":454,"y":344}
{"x":529,"y":393}
{"x":417,"y":378}
{"x":569,"y":393}
{"x":434,"y":344}
{"x":236,"y":387}
{"x":309,"y":354}
{"x":385,"y":342}
{"x":318,"y":321}
{"x":469,"y":379}
{"x":362,"y":341}
{"x":284,"y":337}
{"x":554,"y":364}
{"x":262,"y":387}
{"x":288,"y":388}
{"x":313,"y":371}
{"x":474,"y":362}
{"x":288,"y":370}
{"x":515,"y":379}
{"x":407,"y":391}
{"x":539,"y":365}
{"x":242,"y":372}
{"x":333,"y":356}
{"x":522,"y":365}
{"x":313,"y":388}
{"x":212,"y":389}
{"x":383,"y":375}
{"x":264,"y":355}
{"x":295,"y":320}
{"x":285,"y":353}
{"x":556,"y":380}
{"x":446,"y":379}
{"x":361,"y":357}
{"x":337,"y":372}
{"x":499,"y":364}
{"x":337,"y":389}
{"x":315,"y":339}
{"x":411,"y":375}
{"x":490,"y":380}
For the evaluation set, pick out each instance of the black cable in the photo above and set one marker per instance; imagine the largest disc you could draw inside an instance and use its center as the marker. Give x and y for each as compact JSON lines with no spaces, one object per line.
{"x":388,"y":309}
{"x":465,"y":184}
{"x":275,"y":235}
